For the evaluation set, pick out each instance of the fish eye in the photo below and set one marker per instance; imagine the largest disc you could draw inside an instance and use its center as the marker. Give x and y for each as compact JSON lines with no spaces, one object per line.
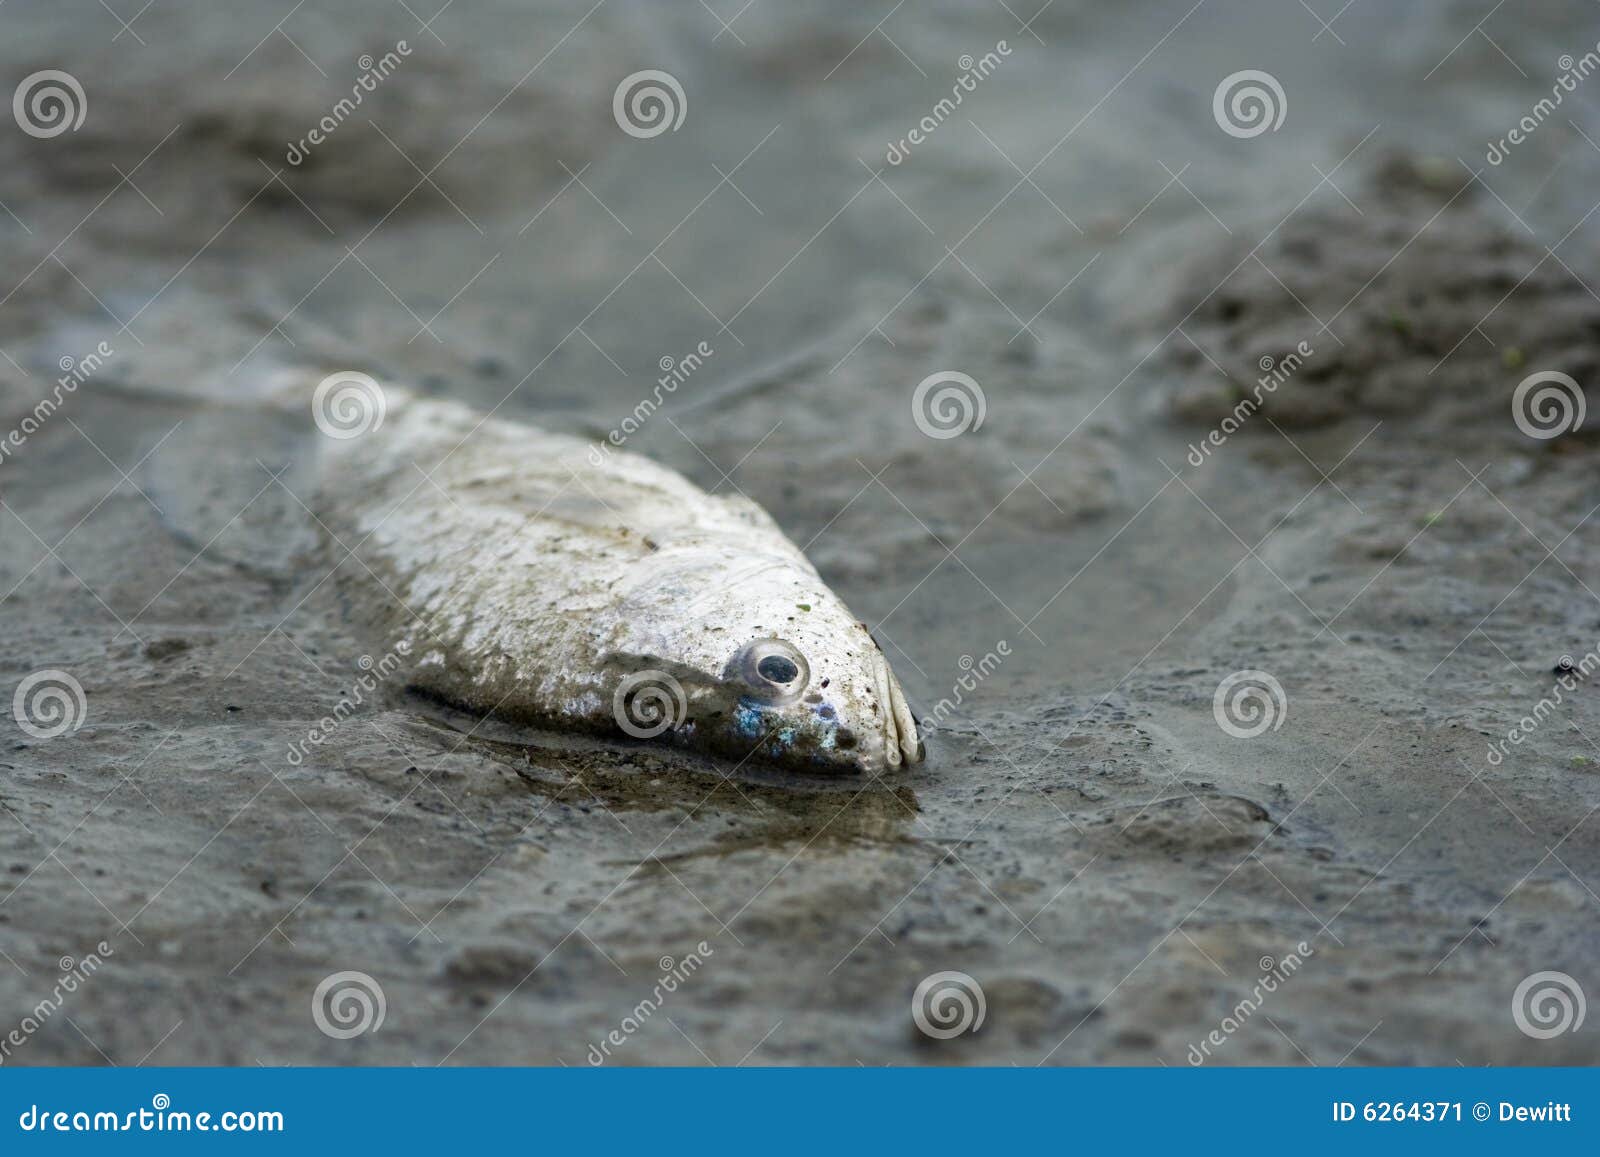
{"x":773,"y":668}
{"x":778,"y":669}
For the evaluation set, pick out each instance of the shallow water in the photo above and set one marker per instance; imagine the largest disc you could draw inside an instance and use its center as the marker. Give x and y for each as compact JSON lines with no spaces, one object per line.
{"x":1085,"y":842}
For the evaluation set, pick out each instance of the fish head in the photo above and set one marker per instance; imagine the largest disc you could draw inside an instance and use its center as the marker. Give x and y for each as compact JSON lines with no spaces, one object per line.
{"x":765,"y":661}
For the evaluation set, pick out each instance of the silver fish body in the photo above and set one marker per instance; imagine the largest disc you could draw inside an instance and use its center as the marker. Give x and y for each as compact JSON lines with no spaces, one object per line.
{"x":551,"y":581}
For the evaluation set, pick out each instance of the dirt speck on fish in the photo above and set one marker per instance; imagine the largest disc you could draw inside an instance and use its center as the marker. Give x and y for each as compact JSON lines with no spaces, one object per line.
{"x":548,"y":581}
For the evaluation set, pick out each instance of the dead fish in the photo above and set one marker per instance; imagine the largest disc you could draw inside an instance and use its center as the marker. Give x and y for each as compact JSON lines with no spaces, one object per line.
{"x":555,"y":582}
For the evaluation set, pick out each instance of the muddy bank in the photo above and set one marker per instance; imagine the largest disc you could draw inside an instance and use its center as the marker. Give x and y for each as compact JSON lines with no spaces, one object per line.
{"x":1113,"y":867}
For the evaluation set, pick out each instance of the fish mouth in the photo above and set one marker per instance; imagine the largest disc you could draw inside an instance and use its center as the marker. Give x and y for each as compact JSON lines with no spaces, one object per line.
{"x":821,"y":742}
{"x":901,"y":743}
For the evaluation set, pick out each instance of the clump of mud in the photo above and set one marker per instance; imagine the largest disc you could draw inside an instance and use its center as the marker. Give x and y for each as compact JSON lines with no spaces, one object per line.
{"x":1430,"y":300}
{"x":337,"y":149}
